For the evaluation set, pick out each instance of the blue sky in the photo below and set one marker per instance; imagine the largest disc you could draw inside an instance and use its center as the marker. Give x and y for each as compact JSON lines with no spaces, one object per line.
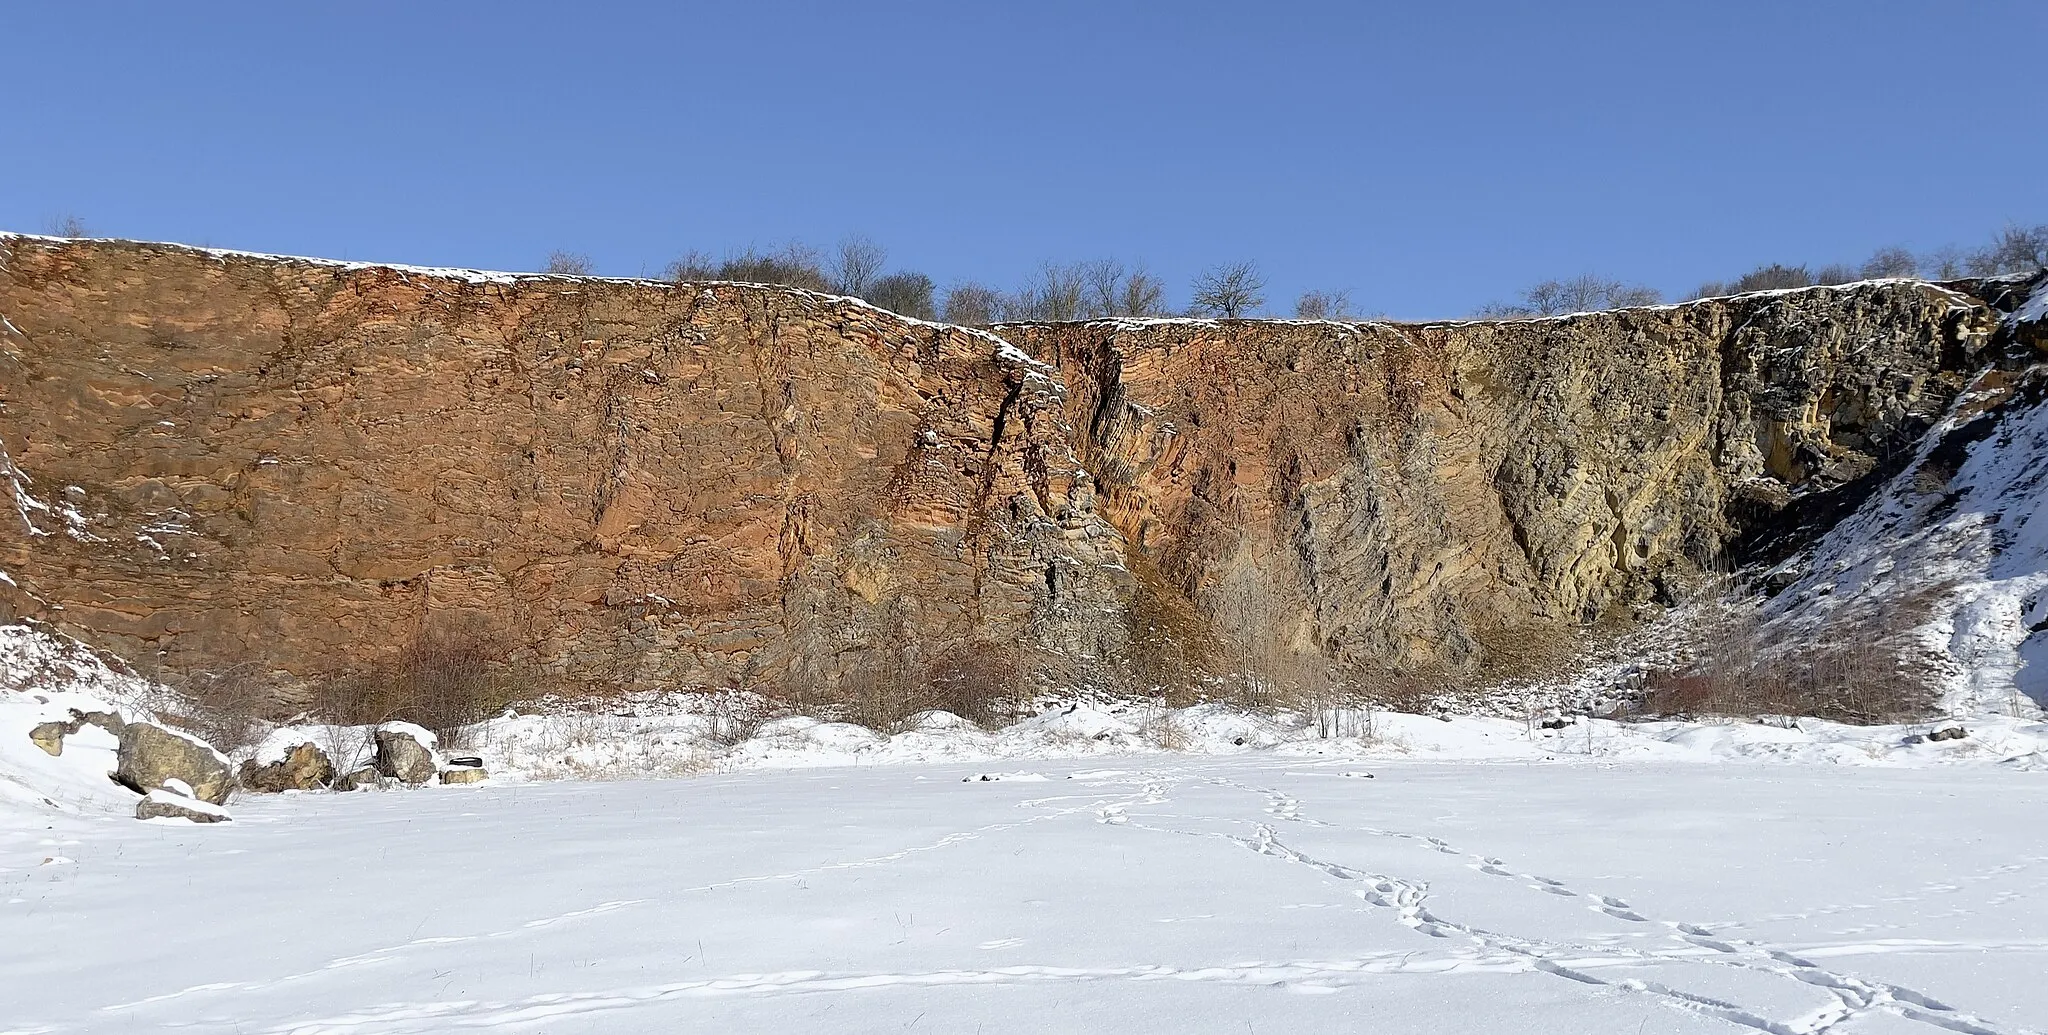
{"x":1427,"y":157}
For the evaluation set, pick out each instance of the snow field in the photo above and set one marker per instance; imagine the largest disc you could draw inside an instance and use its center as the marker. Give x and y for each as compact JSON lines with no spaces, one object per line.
{"x":1161,"y":894}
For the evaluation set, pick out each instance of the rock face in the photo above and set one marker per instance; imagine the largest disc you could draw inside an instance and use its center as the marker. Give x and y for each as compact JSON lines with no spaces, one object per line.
{"x":304,"y":768}
{"x":637,"y":484}
{"x":630,"y":483}
{"x":152,"y":756}
{"x":1454,"y":495}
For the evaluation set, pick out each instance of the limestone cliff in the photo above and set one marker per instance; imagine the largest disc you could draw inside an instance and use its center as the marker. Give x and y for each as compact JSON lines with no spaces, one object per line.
{"x":1452,"y":495}
{"x":219,"y":458}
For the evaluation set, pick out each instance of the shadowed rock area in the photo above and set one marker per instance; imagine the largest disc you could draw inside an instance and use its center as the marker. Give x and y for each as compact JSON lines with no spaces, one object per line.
{"x":219,"y":459}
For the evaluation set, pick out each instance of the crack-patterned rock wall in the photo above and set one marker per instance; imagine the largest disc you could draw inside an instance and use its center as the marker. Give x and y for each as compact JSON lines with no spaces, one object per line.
{"x":222,"y":459}
{"x":1456,"y":496}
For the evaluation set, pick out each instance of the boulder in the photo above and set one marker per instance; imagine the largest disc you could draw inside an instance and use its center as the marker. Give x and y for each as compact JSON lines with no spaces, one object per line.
{"x":304,"y":768}
{"x":163,"y":804}
{"x":365,"y":779}
{"x":151,"y":755}
{"x":50,"y":736}
{"x":405,"y":752}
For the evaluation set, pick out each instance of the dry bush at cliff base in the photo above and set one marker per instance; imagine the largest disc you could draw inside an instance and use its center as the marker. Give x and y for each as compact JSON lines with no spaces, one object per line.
{"x":228,"y":708}
{"x":445,"y":682}
{"x":1863,"y":666}
{"x":979,"y":682}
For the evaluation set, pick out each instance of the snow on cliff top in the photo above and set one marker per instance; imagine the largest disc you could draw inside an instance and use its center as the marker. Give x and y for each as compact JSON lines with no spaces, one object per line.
{"x":1004,"y":351}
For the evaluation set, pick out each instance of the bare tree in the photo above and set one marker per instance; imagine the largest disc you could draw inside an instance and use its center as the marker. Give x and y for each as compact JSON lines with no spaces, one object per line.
{"x":1585,"y":293}
{"x":1891,"y":262}
{"x":856,"y":265}
{"x":2017,"y":249}
{"x":1054,"y":292}
{"x":1775,"y":277}
{"x":1230,"y":290}
{"x":972,"y":305}
{"x":1835,"y":273}
{"x":907,"y":293}
{"x":1946,"y":262}
{"x":1143,"y":295}
{"x":567,"y":264}
{"x":67,"y":225}
{"x":692,"y":265}
{"x":1112,"y":291}
{"x":793,"y":266}
{"x":1323,"y":305}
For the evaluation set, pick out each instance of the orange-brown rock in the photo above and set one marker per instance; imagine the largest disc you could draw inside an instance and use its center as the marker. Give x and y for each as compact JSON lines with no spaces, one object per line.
{"x":1447,"y":495}
{"x":222,"y":458}
{"x":214,"y":458}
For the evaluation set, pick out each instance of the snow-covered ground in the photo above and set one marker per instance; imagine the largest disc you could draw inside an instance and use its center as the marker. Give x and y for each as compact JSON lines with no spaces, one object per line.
{"x":608,"y":745}
{"x":1164,"y":894}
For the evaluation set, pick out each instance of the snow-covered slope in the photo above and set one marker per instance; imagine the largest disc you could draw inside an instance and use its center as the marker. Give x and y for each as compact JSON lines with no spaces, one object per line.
{"x":1958,"y":544}
{"x":43,"y":678}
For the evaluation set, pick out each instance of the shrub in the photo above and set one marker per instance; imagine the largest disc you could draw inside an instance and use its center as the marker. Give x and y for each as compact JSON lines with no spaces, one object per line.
{"x":443,"y":681}
{"x":907,"y":293}
{"x":980,"y":682}
{"x":569,"y":264}
{"x":226,"y":707}
{"x":1586,"y":293}
{"x":1857,"y":665}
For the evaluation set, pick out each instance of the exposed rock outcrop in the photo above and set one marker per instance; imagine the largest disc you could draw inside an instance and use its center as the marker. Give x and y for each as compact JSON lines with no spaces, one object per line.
{"x":632,"y":483}
{"x":50,"y":736}
{"x":638,"y":484}
{"x":461,"y":774}
{"x":1455,"y":494}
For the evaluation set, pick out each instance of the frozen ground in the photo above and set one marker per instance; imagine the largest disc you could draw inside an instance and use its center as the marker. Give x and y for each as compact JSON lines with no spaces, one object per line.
{"x":1249,"y":894}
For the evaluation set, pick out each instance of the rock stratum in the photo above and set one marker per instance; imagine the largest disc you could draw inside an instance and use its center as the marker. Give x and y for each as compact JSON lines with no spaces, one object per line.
{"x":222,"y":459}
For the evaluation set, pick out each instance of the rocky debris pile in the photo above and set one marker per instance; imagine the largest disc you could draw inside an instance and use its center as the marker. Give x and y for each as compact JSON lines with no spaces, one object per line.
{"x":302,"y":758}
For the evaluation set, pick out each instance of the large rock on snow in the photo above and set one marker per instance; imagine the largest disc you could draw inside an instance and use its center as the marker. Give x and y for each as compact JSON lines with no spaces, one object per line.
{"x":464,"y":774}
{"x":303,"y":768}
{"x":365,"y":779}
{"x":151,"y":755}
{"x":50,"y":735}
{"x":163,"y":804}
{"x":406,"y":752}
